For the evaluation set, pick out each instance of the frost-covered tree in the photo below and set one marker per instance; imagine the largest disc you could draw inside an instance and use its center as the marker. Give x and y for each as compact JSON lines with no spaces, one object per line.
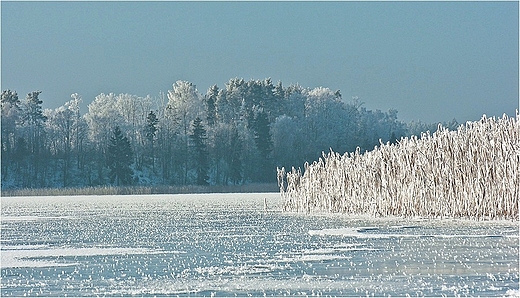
{"x":167,"y":141}
{"x":231,"y":100}
{"x":102,"y":117}
{"x":325,"y":122}
{"x":134,"y":110}
{"x":107,"y":111}
{"x":67,"y":133}
{"x":59,"y":131}
{"x":10,"y":116}
{"x":294,"y":101}
{"x":184,"y":105}
{"x":79,"y":136}
{"x":288,"y":141}
{"x":217,"y":143}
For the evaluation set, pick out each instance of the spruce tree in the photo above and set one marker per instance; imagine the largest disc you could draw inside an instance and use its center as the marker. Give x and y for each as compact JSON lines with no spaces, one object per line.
{"x":150,"y":134}
{"x":210,"y":103}
{"x":235,"y":164}
{"x":119,"y":158}
{"x":264,"y":144}
{"x":198,"y":143}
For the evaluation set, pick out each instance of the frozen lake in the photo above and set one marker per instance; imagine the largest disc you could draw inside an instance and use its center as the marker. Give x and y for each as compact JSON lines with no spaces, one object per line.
{"x":228,"y":244}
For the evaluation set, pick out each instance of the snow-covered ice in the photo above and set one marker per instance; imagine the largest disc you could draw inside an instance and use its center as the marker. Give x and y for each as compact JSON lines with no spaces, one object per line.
{"x":228,"y":244}
{"x":19,"y":256}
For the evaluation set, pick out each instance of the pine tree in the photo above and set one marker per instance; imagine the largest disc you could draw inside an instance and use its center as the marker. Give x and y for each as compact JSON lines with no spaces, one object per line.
{"x":119,"y":158}
{"x":198,"y":143}
{"x":33,"y":118}
{"x":33,"y":121}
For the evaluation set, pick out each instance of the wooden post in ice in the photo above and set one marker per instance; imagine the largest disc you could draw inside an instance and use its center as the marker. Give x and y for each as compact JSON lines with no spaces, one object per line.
{"x":265,"y":204}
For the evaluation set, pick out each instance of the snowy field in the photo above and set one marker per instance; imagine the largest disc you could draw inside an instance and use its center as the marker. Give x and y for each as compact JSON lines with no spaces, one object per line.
{"x":229,"y":244}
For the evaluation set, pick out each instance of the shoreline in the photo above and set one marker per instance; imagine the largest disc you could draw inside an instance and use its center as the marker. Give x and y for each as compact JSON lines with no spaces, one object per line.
{"x":142,"y":190}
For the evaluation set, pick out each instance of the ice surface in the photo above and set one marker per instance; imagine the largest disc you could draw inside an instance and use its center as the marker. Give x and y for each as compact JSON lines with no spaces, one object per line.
{"x":227,"y":244}
{"x":31,"y":218}
{"x":512,"y":293}
{"x":361,"y":232}
{"x":34,"y":255}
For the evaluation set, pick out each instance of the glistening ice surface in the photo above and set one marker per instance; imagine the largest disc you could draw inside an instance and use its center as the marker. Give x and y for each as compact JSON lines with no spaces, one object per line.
{"x":228,"y":244}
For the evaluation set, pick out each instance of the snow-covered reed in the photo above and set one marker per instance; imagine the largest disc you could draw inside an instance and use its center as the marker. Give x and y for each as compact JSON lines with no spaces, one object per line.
{"x":473,"y":172}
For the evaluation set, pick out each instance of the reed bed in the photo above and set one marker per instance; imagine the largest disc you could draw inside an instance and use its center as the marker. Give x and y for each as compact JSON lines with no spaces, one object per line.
{"x":142,"y":190}
{"x":472,"y":172}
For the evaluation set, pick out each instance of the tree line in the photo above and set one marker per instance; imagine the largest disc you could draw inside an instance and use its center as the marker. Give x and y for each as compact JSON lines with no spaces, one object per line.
{"x":237,"y":134}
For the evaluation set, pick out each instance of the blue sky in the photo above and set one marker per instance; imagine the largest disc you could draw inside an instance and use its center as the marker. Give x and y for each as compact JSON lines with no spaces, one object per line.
{"x":432,"y":61}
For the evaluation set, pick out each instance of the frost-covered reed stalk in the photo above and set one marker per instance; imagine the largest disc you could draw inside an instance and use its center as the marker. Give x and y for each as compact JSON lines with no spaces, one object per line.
{"x":472,"y":172}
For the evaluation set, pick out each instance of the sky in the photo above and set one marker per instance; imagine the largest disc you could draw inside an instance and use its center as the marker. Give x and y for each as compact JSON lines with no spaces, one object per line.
{"x":431,"y":61}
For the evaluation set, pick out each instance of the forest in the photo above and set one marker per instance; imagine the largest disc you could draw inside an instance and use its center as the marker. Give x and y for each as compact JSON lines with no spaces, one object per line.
{"x":234,"y":135}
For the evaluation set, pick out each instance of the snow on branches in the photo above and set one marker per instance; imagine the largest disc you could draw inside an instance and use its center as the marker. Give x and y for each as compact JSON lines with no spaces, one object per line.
{"x":473,"y":172}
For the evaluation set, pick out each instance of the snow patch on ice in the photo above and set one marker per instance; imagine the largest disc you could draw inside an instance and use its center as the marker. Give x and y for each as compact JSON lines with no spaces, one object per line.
{"x":335,"y":232}
{"x":367,"y":232}
{"x":336,"y":250}
{"x":513,"y":293}
{"x":317,"y":258}
{"x":237,"y":270}
{"x":31,"y":256}
{"x":32,"y":218}
{"x":351,"y":232}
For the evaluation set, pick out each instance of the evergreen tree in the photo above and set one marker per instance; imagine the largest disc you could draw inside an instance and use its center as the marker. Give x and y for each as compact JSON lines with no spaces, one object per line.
{"x":119,"y":158}
{"x":198,"y":143}
{"x":264,"y":144}
{"x":33,"y":121}
{"x":10,"y":105}
{"x":150,"y":134}
{"x":235,"y":165}
{"x":33,"y":118}
{"x":210,"y":101}
{"x":262,"y":134}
